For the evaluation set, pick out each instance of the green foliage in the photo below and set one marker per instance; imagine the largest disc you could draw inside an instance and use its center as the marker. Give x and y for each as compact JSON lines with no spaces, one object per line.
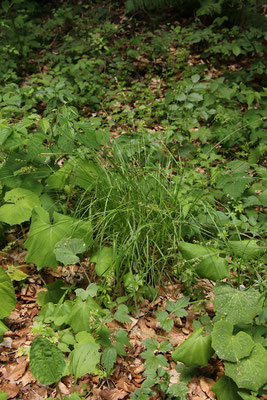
{"x":47,"y":363}
{"x":83,"y":359}
{"x":7,"y":294}
{"x":66,"y":250}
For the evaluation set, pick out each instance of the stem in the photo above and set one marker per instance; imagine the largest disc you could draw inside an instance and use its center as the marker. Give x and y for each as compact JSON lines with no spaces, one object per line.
{"x":59,"y":392}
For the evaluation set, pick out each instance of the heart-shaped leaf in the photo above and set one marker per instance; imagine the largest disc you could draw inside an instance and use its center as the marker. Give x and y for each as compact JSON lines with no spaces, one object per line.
{"x":250,"y":372}
{"x":228,"y":346}
{"x":47,"y":363}
{"x":22,"y":202}
{"x":196,"y":350}
{"x":238,"y":307}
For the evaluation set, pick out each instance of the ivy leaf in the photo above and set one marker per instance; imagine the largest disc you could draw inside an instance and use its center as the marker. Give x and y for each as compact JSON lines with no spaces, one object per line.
{"x":250,"y":372}
{"x":7,"y":294}
{"x":225,"y":389}
{"x":22,"y":203}
{"x":230,"y":347}
{"x":44,"y":235}
{"x":84,"y":359}
{"x":47,"y":363}
{"x":66,"y":250}
{"x":104,"y":258}
{"x":163,"y":318}
{"x":122,"y":314}
{"x":108,"y":359}
{"x":196,"y":350}
{"x":238,"y":307}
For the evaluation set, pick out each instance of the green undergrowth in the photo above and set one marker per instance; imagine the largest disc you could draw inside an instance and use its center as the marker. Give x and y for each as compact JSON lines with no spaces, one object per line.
{"x":136,"y":141}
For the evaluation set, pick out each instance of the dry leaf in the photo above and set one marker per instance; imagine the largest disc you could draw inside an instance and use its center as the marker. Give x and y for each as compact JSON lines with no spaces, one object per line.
{"x":113,"y":394}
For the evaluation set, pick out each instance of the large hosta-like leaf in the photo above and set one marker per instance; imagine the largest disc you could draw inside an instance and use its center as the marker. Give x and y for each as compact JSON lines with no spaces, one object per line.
{"x":211,"y":265}
{"x":250,"y":372}
{"x":196,"y":350}
{"x":47,"y":363}
{"x":7,"y":294}
{"x":238,"y":307}
{"x":84,"y":359}
{"x":228,"y":346}
{"x":44,"y":235}
{"x":21,"y":203}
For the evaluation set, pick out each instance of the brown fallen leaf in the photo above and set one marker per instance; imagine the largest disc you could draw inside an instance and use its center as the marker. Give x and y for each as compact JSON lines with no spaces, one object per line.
{"x":10,"y":388}
{"x":15,"y":371}
{"x":113,"y":394}
{"x":27,"y":378}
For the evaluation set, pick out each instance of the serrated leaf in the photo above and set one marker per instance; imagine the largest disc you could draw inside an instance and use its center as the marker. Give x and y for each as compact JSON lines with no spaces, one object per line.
{"x":196,"y":350}
{"x":178,"y":307}
{"x":44,"y":235}
{"x":47,"y":363}
{"x":44,"y":124}
{"x":165,"y":346}
{"x":122,"y":337}
{"x":22,"y":202}
{"x":108,"y":359}
{"x":228,"y":346}
{"x":238,"y":307}
{"x":66,"y":250}
{"x":151,"y":344}
{"x":163,"y":318}
{"x":179,"y":390}
{"x":84,"y":359}
{"x":7,"y":294}
{"x":122,"y":314}
{"x":225,"y":389}
{"x":250,"y":372}
{"x":104,"y":259}
{"x":152,"y":363}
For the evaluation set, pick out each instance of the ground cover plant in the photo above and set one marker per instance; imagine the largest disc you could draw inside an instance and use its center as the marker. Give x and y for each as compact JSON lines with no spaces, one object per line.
{"x":133,"y":200}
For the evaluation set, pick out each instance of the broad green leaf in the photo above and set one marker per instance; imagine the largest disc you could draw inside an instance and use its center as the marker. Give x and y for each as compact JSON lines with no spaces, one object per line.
{"x":66,"y":250}
{"x":211,"y":266}
{"x":247,"y":395}
{"x":84,"y":359}
{"x":44,"y":124}
{"x":53,"y":293}
{"x":3,"y":396}
{"x":236,"y":50}
{"x":225,"y":389}
{"x":22,"y":202}
{"x":250,"y":372}
{"x":80,"y":314}
{"x":166,"y":323}
{"x":47,"y":363}
{"x":196,"y":350}
{"x":122,"y":314}
{"x":228,"y":346}
{"x":195,"y":78}
{"x":246,"y":249}
{"x":44,"y":235}
{"x":104,"y":259}
{"x":7,"y":294}
{"x":3,"y":329}
{"x":238,"y":307}
{"x":195,"y":97}
{"x":108,"y":359}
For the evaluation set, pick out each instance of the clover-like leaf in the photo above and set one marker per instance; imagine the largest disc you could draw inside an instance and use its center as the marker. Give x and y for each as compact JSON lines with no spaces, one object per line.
{"x":196,"y":350}
{"x":7,"y":294}
{"x":228,"y":346}
{"x":47,"y":363}
{"x":67,"y":248}
{"x":21,"y":203}
{"x":238,"y":307}
{"x":250,"y":372}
